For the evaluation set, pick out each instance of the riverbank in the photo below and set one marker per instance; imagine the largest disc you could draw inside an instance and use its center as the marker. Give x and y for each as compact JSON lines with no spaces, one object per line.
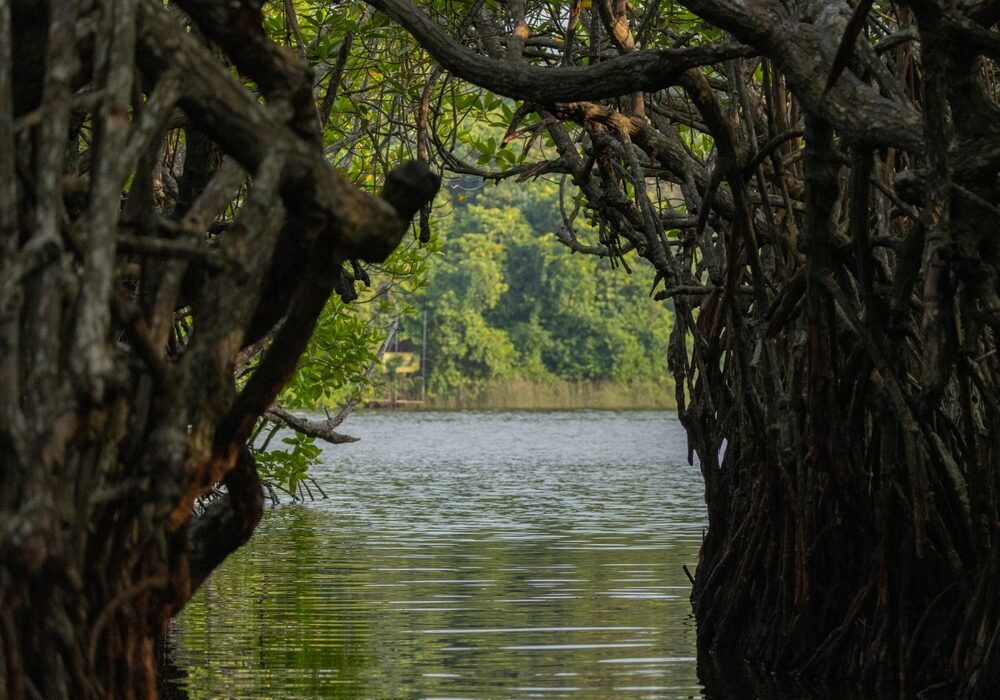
{"x":528,"y":395}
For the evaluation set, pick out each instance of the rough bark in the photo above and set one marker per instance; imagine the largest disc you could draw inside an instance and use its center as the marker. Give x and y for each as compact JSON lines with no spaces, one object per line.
{"x":123,"y":311}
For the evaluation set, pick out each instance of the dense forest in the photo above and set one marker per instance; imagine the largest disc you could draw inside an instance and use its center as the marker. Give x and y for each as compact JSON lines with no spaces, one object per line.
{"x":811,"y":186}
{"x":505,"y":302}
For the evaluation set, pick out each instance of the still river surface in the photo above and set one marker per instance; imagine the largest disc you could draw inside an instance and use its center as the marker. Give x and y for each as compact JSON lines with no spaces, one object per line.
{"x":465,"y":555}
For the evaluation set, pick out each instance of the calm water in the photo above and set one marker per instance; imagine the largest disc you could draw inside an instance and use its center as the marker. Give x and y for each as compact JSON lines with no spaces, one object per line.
{"x":484,"y":555}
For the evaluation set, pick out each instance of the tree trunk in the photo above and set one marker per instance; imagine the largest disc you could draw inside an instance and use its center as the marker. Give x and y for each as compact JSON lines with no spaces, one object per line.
{"x":851,"y":476}
{"x":123,"y":309}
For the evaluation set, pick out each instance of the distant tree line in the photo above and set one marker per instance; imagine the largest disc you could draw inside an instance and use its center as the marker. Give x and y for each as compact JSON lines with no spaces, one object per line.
{"x":505,"y":301}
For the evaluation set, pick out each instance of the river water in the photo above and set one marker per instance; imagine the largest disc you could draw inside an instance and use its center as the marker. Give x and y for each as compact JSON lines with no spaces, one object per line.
{"x":465,"y":555}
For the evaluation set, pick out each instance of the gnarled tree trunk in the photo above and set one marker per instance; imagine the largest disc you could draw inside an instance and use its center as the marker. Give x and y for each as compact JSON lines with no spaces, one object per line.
{"x":844,"y":426}
{"x":125,"y":298}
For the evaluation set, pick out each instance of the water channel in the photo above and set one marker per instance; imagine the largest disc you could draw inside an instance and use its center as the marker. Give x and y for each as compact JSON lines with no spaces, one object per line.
{"x":465,"y":555}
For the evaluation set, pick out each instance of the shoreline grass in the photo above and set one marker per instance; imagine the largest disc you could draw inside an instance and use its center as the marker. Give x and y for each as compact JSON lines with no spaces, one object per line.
{"x":530,"y":395}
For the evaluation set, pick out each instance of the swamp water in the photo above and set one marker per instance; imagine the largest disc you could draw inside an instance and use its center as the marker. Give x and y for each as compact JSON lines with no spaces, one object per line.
{"x":464,"y":555}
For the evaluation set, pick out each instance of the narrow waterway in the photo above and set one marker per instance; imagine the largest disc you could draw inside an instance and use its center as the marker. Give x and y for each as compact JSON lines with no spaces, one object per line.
{"x":465,"y":555}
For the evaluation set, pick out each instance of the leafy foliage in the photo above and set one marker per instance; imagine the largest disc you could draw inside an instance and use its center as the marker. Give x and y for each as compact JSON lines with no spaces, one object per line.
{"x":288,"y":466}
{"x":368,"y":75}
{"x":506,"y":301}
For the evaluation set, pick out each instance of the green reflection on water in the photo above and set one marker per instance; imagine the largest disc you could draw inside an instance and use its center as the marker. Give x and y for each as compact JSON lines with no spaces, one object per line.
{"x":541,"y":589}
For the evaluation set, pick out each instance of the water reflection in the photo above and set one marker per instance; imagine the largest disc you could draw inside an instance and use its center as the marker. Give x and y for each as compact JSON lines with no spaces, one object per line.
{"x":465,"y":556}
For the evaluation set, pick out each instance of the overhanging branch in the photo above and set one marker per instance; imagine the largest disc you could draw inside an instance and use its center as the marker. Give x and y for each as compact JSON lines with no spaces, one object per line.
{"x":320,"y":429}
{"x":640,"y":71}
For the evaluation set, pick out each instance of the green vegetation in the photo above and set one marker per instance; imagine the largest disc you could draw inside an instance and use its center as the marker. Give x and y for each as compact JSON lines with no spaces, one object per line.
{"x":512,"y":321}
{"x":528,"y":394}
{"x":368,"y":129}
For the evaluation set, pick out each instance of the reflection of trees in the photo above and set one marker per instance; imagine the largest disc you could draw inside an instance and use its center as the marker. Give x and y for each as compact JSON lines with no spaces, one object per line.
{"x":275,"y":612}
{"x":171,"y":676}
{"x":300,"y":600}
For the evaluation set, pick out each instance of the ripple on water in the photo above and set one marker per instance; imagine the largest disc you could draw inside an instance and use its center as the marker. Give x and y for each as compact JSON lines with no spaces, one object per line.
{"x":501,"y":555}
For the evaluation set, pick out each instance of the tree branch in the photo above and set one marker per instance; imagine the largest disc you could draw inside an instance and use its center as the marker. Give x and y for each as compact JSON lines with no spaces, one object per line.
{"x":320,"y":429}
{"x":805,"y":53}
{"x":640,"y":71}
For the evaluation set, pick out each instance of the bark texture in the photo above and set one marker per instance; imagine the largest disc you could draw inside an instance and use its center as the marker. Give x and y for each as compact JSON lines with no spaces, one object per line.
{"x":129,"y":284}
